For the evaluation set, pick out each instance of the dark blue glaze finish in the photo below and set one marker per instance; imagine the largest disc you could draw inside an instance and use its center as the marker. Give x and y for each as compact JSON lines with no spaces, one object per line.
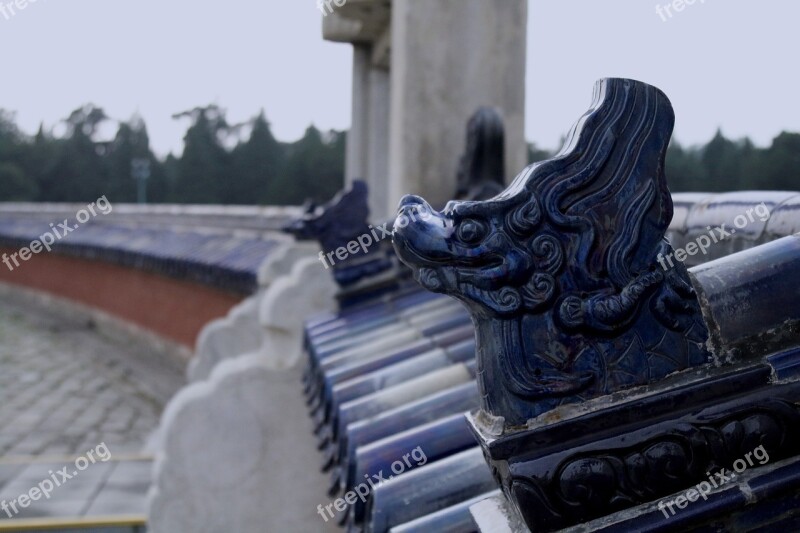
{"x":384,"y":400}
{"x":786,"y":364}
{"x":438,"y":440}
{"x":454,"y":519}
{"x":458,"y":399}
{"x":403,"y":371}
{"x":324,"y":323}
{"x":218,"y":260}
{"x":641,"y":449}
{"x":561,"y":271}
{"x":771,"y":503}
{"x":382,"y":360}
{"x":446,"y":317}
{"x":751,"y":299}
{"x":334,"y":225}
{"x":427,"y":489}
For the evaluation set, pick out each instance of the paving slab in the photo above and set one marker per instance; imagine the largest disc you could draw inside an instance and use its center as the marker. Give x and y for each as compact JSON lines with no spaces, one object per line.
{"x":67,"y":387}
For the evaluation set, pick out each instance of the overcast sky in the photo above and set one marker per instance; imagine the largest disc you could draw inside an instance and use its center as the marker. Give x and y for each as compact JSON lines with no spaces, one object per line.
{"x":724,"y":63}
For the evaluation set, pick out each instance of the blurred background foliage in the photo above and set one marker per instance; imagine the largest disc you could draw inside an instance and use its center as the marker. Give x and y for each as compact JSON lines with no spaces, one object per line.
{"x":243,"y":163}
{"x":221,"y":163}
{"x":727,"y":165}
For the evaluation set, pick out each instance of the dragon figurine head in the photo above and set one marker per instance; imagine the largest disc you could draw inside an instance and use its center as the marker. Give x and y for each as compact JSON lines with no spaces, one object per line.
{"x":560,"y":270}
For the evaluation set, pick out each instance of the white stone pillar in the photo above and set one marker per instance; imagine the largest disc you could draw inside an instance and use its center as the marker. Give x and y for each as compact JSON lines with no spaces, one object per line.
{"x":448,"y":58}
{"x":356,"y":151}
{"x":377,"y":175}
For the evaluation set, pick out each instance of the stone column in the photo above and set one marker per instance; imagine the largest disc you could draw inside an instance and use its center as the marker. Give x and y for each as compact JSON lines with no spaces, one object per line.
{"x":448,"y":58}
{"x":368,"y":139}
{"x":377,"y":175}
{"x":356,"y":153}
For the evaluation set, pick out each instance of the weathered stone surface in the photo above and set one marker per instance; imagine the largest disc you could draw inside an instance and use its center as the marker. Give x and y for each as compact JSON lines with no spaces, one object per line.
{"x":436,"y":84}
{"x":281,"y":261}
{"x":412,"y":88}
{"x":71,"y":380}
{"x":238,"y":333}
{"x":241,"y":332}
{"x":220,"y":485}
{"x":234,"y":459}
{"x":289,"y":300}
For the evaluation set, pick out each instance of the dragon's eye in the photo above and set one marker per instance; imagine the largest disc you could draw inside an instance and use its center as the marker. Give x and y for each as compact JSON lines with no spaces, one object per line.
{"x":471,"y":231}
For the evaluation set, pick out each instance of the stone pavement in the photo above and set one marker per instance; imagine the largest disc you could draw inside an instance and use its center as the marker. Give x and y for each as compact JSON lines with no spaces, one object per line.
{"x":66,"y":386}
{"x":108,"y":489}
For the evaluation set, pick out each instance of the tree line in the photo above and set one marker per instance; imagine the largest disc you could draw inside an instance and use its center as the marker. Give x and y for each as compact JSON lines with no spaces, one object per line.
{"x":221,"y":163}
{"x":243,"y":163}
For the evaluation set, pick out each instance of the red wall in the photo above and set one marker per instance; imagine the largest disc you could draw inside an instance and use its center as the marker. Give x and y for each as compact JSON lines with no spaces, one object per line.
{"x":172,"y":308}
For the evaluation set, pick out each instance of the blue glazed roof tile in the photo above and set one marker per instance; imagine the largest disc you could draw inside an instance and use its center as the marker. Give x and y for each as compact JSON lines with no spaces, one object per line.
{"x":224,"y":261}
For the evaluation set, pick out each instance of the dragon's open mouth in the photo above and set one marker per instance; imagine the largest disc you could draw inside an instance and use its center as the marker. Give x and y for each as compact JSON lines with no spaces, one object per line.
{"x":417,"y":258}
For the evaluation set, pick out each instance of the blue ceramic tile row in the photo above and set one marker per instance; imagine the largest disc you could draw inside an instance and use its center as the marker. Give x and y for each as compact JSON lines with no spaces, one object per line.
{"x":369,"y":407}
{"x":390,"y":376}
{"x":731,"y":222}
{"x":786,"y":364}
{"x":220,"y":260}
{"x":764,"y":501}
